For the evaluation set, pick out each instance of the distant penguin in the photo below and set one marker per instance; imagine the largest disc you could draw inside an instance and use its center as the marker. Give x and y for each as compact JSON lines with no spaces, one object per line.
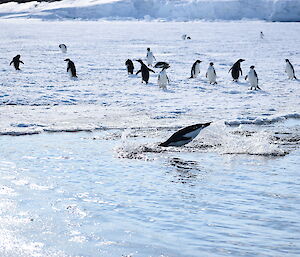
{"x":289,"y":69}
{"x":188,"y":38}
{"x":163,"y":79}
{"x":211,"y":74}
{"x":160,"y":64}
{"x":145,"y":71}
{"x":236,"y":69}
{"x":185,"y":135}
{"x":130,"y":67}
{"x":150,"y":57}
{"x":195,"y":69}
{"x":262,"y":35}
{"x":183,"y":37}
{"x":16,"y":61}
{"x":71,"y":68}
{"x":252,"y":78}
{"x":63,"y":48}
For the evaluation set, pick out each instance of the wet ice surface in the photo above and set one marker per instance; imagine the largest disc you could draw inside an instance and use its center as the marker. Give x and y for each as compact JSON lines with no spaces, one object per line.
{"x":233,"y":191}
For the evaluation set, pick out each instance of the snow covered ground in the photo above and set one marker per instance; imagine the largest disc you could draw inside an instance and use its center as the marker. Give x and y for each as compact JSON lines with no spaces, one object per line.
{"x":182,"y":10}
{"x":110,"y":190}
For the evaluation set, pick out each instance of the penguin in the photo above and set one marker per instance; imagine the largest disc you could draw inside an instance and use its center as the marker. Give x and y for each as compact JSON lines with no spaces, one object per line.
{"x":185,"y":135}
{"x":188,"y":38}
{"x":252,"y":78}
{"x":184,"y":36}
{"x":163,"y":79}
{"x":262,"y":35}
{"x":211,"y":74}
{"x":130,"y":67}
{"x":236,"y":69}
{"x":71,"y":68}
{"x":150,"y":57}
{"x":289,"y":69}
{"x":195,"y":69}
{"x":160,"y":64}
{"x":145,"y":71}
{"x":63,"y":48}
{"x":16,"y":61}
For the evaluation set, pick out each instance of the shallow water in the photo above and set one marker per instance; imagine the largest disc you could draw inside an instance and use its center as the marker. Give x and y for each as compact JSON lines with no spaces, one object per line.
{"x":68,"y":195}
{"x":109,"y":190}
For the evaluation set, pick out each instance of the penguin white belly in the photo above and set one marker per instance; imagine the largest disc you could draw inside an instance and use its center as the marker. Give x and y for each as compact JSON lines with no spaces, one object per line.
{"x":193,"y":134}
{"x":63,"y":48}
{"x":150,"y":59}
{"x":196,"y":71}
{"x":162,"y":79}
{"x":252,"y":79}
{"x":289,"y":71}
{"x":211,"y":75}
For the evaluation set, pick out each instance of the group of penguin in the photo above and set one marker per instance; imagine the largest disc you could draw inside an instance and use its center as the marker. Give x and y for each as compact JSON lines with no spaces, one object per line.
{"x":211,"y":75}
{"x":71,"y":69}
{"x":187,"y":134}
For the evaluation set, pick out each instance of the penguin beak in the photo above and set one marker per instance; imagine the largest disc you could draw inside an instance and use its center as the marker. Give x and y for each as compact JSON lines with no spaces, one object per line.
{"x":206,"y":124}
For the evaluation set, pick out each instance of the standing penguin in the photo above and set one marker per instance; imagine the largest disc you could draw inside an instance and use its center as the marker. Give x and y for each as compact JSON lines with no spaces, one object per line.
{"x":63,"y":48}
{"x":236,"y":69}
{"x":150,"y":57}
{"x":16,"y":61}
{"x":130,"y":67}
{"x":145,"y":71}
{"x":252,"y":78}
{"x":163,"y":79}
{"x":195,"y":69}
{"x":289,"y":69}
{"x":211,"y":74}
{"x":71,"y":68}
{"x":262,"y":35}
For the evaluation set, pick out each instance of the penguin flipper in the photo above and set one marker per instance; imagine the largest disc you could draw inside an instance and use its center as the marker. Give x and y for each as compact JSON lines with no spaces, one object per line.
{"x":138,"y":72}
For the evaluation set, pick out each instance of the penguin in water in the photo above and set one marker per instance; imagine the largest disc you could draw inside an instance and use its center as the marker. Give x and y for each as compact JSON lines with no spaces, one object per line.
{"x":145,"y":71}
{"x":262,"y":35}
{"x":195,"y":69}
{"x":236,"y":69}
{"x":16,"y":61}
{"x":252,"y":78}
{"x":163,"y":79}
{"x":289,"y":69}
{"x":185,"y":135}
{"x":150,"y":57}
{"x":63,"y":48}
{"x":71,"y":68}
{"x":130,"y":67}
{"x":211,"y":74}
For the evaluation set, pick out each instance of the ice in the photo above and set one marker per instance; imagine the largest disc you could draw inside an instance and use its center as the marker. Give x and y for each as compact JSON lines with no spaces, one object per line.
{"x":270,"y":10}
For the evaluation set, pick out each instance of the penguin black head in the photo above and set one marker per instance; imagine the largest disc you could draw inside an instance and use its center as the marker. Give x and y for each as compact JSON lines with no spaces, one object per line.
{"x":67,"y":60}
{"x":140,"y":61}
{"x":18,"y":56}
{"x":198,"y":61}
{"x":166,"y":66}
{"x":241,"y":60}
{"x":287,"y":60}
{"x":252,"y":67}
{"x":211,"y":64}
{"x":148,"y":49}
